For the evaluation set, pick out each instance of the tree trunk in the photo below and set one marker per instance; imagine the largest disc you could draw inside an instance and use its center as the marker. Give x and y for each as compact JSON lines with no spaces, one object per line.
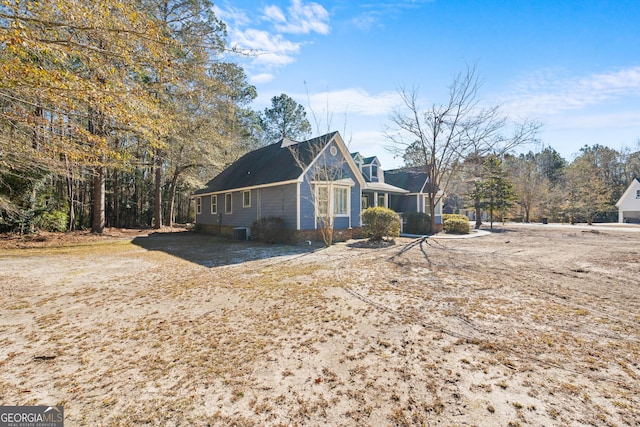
{"x":97,"y":222}
{"x":82,"y":197}
{"x":478,"y":210}
{"x":172,"y":197}
{"x":116,"y":199}
{"x":432,"y":212}
{"x":157,"y":220}
{"x":96,"y":126}
{"x":115,"y":219}
{"x":491,"y":204}
{"x":70,"y":195}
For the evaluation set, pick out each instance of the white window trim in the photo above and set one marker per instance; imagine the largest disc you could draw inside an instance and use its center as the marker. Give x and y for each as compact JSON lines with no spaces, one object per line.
{"x":248,"y":205}
{"x":331,"y":196}
{"x":228,"y":207}
{"x":346,"y":204}
{"x":198,"y":205}
{"x":214,"y":197}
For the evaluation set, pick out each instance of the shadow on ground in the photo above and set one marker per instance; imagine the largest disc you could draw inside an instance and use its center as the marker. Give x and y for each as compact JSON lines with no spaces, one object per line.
{"x":211,"y":251}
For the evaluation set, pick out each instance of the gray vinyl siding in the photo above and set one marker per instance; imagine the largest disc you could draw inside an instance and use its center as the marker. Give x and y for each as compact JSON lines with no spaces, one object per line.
{"x":239,"y":216}
{"x":280,"y":201}
{"x":205,"y":217}
{"x":356,"y":203}
{"x":307,"y":210}
{"x":277,"y":201}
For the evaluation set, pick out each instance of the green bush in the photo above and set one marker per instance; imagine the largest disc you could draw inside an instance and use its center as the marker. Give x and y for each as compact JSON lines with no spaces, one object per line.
{"x":454,"y":216}
{"x":380,"y":223}
{"x":270,"y":230}
{"x":456,"y":225}
{"x":54,"y":220}
{"x":417,"y":223}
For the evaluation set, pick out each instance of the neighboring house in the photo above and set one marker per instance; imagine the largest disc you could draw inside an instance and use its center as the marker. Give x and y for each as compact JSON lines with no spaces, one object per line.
{"x":629,"y":204}
{"x":471,"y":214}
{"x":300,"y":182}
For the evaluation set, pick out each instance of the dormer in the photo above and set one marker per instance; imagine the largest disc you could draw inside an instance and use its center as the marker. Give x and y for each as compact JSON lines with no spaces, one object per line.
{"x":371,"y":169}
{"x":358,"y":160}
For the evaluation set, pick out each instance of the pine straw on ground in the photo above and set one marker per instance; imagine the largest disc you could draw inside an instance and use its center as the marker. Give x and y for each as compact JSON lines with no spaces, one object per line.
{"x":42,"y":239}
{"x":522,"y":327}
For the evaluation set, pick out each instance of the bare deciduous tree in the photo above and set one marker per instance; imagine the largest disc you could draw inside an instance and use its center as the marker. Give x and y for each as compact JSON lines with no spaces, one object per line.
{"x":442,"y":136}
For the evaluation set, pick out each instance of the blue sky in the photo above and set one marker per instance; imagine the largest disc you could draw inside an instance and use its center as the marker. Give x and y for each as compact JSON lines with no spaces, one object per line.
{"x":572,"y":65}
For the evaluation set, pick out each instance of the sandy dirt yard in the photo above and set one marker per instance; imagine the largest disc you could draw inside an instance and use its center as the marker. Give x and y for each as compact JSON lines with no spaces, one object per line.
{"x":530,"y":326}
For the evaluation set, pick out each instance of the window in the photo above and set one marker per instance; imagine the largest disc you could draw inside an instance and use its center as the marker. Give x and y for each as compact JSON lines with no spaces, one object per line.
{"x":198,"y":205}
{"x":381,"y":200}
{"x":322,"y":200}
{"x":340,"y":197}
{"x":228,"y":208}
{"x":365,"y":201}
{"x":374,"y":171}
{"x":637,"y":194}
{"x":246,"y":199}
{"x":214,"y":204}
{"x":334,"y":200}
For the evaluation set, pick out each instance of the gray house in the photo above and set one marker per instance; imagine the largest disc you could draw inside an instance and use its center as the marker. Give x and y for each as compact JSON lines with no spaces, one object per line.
{"x":296,"y":181}
{"x":301,"y":182}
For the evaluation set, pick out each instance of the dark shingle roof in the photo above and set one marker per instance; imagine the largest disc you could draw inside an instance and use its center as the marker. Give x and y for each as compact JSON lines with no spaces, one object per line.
{"x":368,"y":160}
{"x":412,"y":179}
{"x":267,"y":165}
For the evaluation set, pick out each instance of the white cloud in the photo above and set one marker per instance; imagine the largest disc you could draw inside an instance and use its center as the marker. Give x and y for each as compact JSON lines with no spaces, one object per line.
{"x":543,"y":93}
{"x":365,"y":21}
{"x":231,"y":15}
{"x":372,"y":143}
{"x":302,"y":18}
{"x":354,"y":101}
{"x":274,"y":13}
{"x":267,"y":49}
{"x":261,"y":78}
{"x":613,"y":120}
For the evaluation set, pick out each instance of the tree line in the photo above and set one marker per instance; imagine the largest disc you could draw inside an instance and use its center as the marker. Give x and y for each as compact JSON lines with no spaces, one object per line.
{"x":468,"y":151}
{"x":112,"y":113}
{"x":543,"y":186}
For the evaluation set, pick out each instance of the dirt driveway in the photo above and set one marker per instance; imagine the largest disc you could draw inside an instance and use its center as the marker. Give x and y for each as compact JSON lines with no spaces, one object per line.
{"x":531,"y":326}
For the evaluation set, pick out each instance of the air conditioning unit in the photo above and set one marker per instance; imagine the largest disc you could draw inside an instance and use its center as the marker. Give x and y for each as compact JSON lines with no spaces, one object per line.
{"x":241,"y":233}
